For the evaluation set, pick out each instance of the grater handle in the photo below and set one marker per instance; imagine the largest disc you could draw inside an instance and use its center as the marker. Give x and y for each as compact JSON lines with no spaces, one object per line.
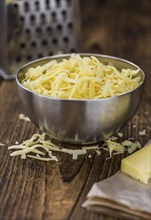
{"x":5,"y":76}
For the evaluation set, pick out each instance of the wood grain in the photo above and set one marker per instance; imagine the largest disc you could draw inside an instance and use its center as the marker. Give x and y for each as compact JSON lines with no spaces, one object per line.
{"x":34,"y":190}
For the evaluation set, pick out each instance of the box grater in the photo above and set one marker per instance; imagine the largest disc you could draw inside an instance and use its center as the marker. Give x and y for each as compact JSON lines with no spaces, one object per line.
{"x":31,"y":29}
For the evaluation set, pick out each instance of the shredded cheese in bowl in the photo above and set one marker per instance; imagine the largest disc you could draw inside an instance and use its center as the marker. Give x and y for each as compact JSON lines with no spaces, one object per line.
{"x":80,"y":78}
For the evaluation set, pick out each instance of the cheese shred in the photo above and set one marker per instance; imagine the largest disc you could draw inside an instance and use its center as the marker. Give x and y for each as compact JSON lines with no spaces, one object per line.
{"x":80,"y":78}
{"x":114,"y":147}
{"x":40,"y":147}
{"x":23,"y":117}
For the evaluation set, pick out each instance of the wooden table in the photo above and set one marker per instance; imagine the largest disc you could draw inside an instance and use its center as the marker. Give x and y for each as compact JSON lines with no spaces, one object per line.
{"x":35,"y":190}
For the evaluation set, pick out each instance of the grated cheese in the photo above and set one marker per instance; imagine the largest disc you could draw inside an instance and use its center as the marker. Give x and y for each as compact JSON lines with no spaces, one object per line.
{"x":127,"y":143}
{"x":138,"y":144}
{"x":23,"y":117}
{"x":98,"y":152}
{"x":132,"y":148}
{"x":41,"y":148}
{"x":114,"y":146}
{"x":131,"y":139}
{"x":40,"y":158}
{"x":142,"y":133}
{"x":118,"y":148}
{"x":80,"y":78}
{"x":120,"y":134}
{"x":38,"y":147}
{"x":113,"y":138}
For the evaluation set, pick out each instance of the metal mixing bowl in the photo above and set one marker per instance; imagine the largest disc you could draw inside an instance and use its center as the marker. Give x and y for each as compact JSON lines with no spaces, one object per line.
{"x":80,"y":121}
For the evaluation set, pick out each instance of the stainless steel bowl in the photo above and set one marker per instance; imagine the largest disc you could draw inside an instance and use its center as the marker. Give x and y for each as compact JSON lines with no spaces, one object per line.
{"x":80,"y":121}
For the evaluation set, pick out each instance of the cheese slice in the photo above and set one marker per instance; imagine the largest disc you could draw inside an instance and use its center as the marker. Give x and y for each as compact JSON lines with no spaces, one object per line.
{"x":138,"y":165}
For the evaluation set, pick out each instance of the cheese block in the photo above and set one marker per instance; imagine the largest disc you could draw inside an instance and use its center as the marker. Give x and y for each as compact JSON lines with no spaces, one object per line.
{"x":138,"y":165}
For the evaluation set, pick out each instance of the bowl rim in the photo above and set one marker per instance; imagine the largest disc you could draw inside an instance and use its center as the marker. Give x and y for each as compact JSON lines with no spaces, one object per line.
{"x":83,"y":54}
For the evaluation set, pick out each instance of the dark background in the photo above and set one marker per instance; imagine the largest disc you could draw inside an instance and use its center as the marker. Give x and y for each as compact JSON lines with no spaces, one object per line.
{"x":120,"y":28}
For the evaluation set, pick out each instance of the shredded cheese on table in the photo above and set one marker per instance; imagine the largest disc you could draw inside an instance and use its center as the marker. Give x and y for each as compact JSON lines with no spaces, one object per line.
{"x":120,"y":134}
{"x":80,"y":78}
{"x":142,"y":133}
{"x":114,"y":147}
{"x":41,"y":148}
{"x":132,"y":146}
{"x":23,"y":117}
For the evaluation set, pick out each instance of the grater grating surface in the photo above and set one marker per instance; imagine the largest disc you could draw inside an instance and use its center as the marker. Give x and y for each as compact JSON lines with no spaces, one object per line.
{"x":36,"y":28}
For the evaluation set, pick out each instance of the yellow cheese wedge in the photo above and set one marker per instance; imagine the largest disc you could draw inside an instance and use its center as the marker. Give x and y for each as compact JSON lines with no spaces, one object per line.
{"x":138,"y":165}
